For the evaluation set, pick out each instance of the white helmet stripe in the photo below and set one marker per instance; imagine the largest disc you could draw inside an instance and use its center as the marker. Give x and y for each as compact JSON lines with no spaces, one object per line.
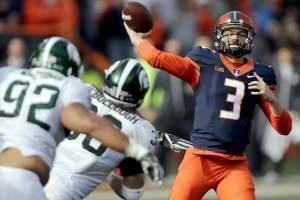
{"x":48,"y":47}
{"x":112,"y":68}
{"x":128,"y":68}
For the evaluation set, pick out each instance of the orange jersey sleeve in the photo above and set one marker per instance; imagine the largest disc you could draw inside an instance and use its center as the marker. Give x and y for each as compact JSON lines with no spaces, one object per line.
{"x":183,"y":68}
{"x":282,"y":124}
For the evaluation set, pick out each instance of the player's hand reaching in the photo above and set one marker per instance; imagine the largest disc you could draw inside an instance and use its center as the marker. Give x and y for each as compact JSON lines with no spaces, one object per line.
{"x":148,"y":160}
{"x":174,"y":142}
{"x":152,"y":168}
{"x":261,"y":88}
{"x":135,"y":37}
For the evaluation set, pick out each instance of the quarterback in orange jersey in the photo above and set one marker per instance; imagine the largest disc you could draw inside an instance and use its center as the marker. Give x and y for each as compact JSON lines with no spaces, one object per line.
{"x":227,"y":88}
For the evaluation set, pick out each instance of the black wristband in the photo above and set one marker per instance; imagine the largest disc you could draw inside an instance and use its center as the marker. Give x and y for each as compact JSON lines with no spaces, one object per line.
{"x":130,"y":167}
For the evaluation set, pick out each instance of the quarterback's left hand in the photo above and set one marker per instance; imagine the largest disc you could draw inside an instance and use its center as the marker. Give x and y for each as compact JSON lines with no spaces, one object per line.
{"x":261,"y":89}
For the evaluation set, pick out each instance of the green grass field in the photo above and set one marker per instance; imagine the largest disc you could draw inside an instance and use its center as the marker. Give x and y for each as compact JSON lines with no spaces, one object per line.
{"x":287,"y":189}
{"x":146,"y":197}
{"x":276,"y":198}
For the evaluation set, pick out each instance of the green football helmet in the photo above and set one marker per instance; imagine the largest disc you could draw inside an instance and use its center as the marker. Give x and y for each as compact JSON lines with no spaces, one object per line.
{"x":126,"y":83}
{"x":57,"y":54}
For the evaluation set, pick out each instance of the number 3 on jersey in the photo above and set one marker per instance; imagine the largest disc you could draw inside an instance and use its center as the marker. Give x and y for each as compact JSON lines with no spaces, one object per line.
{"x":11,"y":105}
{"x":235,"y":99}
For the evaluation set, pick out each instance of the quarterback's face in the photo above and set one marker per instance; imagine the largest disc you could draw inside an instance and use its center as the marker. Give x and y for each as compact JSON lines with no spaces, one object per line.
{"x":235,"y":36}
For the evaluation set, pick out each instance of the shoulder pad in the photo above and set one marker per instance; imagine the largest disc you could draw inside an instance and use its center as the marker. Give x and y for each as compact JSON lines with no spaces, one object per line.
{"x":203,"y":55}
{"x":266,"y":72}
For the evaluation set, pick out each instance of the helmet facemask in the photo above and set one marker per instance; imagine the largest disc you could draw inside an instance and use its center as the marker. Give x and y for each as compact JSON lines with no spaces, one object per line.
{"x":234,"y":34}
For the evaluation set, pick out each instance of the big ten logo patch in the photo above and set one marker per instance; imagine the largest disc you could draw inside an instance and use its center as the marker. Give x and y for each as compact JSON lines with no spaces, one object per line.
{"x":219,"y":69}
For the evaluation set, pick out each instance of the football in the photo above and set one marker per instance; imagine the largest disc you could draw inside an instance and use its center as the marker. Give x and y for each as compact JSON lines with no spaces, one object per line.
{"x":137,"y":17}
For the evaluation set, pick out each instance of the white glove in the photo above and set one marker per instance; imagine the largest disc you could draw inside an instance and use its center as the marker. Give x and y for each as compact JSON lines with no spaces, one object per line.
{"x":148,"y":160}
{"x":152,"y":168}
{"x":173,"y":142}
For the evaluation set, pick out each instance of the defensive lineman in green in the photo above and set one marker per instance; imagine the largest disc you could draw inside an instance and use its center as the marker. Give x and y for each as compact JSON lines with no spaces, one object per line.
{"x":126,"y":84}
{"x":36,"y":104}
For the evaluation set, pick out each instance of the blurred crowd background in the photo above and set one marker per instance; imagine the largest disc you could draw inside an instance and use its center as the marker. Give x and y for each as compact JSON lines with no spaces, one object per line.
{"x":96,"y":27}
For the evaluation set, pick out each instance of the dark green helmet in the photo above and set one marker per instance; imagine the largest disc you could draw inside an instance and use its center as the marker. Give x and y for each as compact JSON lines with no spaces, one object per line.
{"x":126,"y":83}
{"x":57,"y":55}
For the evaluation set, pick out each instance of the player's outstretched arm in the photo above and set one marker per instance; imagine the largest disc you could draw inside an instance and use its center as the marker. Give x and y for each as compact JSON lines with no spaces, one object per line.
{"x":183,"y":68}
{"x":78,"y":118}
